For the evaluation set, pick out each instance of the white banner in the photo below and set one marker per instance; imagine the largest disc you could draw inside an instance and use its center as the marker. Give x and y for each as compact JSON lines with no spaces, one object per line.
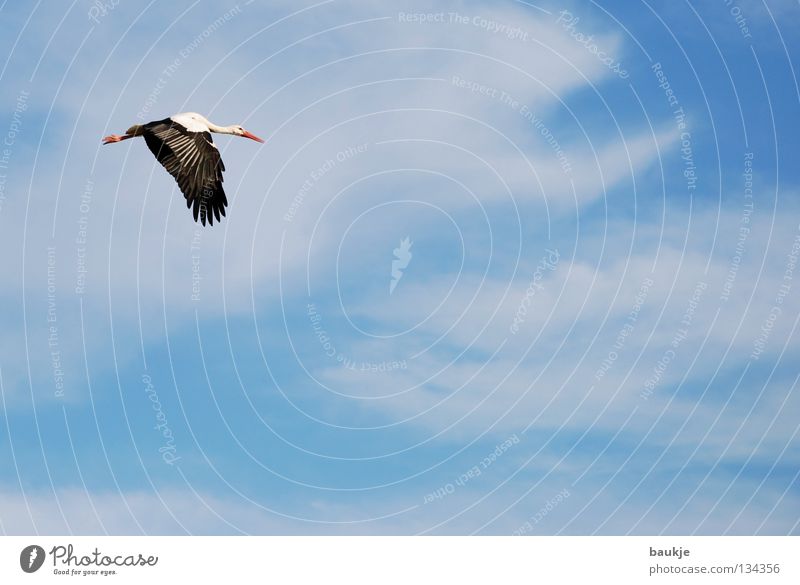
{"x":371,"y":560}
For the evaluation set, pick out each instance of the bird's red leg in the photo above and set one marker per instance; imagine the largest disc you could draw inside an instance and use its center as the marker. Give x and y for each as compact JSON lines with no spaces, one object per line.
{"x":116,"y":138}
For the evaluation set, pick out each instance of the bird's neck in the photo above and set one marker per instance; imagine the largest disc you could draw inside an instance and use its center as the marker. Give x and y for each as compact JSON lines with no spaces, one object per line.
{"x":221,"y":129}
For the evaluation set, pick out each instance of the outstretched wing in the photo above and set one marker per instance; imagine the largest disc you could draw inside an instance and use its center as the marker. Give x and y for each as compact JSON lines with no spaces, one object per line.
{"x":194,"y":161}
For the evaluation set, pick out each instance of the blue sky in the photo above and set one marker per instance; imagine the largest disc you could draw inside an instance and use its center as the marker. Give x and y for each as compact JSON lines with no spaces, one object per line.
{"x":594,"y":333}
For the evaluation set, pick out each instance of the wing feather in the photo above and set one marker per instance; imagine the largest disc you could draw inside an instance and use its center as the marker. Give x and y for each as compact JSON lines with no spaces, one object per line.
{"x":194,"y":162}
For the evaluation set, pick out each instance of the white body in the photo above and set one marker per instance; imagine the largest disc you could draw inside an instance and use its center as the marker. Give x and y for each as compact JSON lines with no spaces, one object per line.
{"x":193,"y":122}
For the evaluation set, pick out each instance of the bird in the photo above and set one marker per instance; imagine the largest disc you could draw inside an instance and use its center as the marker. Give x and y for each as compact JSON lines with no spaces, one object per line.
{"x":183,"y":145}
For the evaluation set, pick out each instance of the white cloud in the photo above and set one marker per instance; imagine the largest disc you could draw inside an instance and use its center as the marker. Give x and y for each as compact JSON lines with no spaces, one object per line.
{"x":139,"y":255}
{"x":568,"y":366}
{"x":500,"y":501}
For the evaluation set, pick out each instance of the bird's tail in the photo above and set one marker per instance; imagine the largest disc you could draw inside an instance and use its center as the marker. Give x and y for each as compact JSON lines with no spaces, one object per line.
{"x":135,"y":130}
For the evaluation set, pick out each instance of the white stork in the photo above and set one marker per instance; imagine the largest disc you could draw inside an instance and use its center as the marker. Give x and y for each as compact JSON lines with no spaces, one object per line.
{"x":182,"y":144}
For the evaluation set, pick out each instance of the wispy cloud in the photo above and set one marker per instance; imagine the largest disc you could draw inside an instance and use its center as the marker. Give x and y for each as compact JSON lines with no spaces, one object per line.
{"x":645,"y":368}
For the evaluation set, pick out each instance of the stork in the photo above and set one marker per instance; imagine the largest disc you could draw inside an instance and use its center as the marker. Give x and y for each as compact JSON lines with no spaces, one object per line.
{"x":183,"y":145}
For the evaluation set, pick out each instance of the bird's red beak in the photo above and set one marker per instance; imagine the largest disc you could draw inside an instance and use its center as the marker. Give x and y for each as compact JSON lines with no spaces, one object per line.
{"x":246,"y":134}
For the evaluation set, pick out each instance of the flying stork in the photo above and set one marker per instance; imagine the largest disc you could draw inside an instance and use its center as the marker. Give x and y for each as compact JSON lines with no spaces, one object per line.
{"x":182,"y":144}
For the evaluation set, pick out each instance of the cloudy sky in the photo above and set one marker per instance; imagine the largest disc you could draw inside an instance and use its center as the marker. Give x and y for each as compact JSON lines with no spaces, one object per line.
{"x":501,"y":267}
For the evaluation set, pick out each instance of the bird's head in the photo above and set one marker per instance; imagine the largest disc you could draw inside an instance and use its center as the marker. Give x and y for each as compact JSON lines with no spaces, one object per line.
{"x":239,"y":131}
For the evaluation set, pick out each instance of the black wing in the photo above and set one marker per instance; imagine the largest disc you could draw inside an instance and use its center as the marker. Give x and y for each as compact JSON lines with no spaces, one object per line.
{"x":193,"y":160}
